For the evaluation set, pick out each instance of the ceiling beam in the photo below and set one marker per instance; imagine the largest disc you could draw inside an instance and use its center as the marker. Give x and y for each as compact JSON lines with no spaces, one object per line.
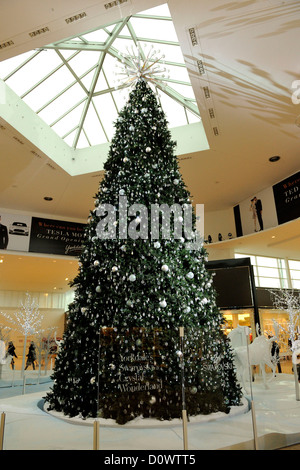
{"x":90,"y":95}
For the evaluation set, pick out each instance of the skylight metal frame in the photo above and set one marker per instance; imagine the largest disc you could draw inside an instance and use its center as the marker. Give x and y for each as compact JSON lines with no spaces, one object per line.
{"x":80,"y":44}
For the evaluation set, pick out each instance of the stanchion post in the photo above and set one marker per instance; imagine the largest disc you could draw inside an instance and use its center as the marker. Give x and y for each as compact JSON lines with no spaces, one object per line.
{"x":251,"y":392}
{"x":184,"y":415}
{"x":24,"y":383}
{"x":2,"y":426}
{"x":296,"y":380}
{"x":96,"y":435}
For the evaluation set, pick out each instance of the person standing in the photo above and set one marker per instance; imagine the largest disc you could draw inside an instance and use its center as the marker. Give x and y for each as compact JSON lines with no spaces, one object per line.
{"x":3,"y":236}
{"x":258,"y":207}
{"x":11,"y":351}
{"x":31,"y":356}
{"x":253,"y":210}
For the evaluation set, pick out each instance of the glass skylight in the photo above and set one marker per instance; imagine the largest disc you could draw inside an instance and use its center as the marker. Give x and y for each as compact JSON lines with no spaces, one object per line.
{"x":72,"y":84}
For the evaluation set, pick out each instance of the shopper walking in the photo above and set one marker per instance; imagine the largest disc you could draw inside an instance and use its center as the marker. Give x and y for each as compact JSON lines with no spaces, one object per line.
{"x":11,"y":351}
{"x":31,"y":356}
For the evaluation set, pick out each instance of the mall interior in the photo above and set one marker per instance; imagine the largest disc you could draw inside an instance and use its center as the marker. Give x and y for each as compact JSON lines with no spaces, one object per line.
{"x":230,"y":94}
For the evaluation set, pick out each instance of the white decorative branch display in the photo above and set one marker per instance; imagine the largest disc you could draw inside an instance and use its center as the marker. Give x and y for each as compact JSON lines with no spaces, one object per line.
{"x":289,"y":302}
{"x":27,"y":320}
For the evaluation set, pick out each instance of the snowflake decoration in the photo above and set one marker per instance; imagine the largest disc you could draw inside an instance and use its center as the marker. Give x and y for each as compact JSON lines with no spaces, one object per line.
{"x":137,"y":65}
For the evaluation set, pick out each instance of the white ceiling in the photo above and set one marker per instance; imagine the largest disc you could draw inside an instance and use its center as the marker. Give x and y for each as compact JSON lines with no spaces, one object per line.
{"x":249,"y":50}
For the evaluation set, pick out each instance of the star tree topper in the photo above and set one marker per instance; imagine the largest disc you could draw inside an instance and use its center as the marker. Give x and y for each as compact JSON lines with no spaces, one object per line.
{"x":137,"y":65}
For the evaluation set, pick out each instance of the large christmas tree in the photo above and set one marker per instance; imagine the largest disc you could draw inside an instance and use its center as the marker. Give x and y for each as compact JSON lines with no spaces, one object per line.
{"x":140,"y":280}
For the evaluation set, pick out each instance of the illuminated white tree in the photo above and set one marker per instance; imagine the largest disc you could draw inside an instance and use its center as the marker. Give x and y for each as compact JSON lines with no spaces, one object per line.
{"x":4,"y":333}
{"x":43,"y":342}
{"x":290,"y":303}
{"x":27,"y":320}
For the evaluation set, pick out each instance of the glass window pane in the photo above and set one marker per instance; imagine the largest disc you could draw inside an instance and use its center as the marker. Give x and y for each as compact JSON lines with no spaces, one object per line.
{"x":154,"y":29}
{"x":121,"y":97}
{"x":48,"y":89}
{"x":70,"y":138}
{"x":262,"y":261}
{"x":241,"y":255}
{"x":8,"y":65}
{"x":102,"y":82}
{"x":69,"y":121}
{"x":93,"y":128}
{"x":82,"y":141}
{"x":107,"y":111}
{"x":161,"y":10}
{"x":62,"y":104}
{"x":84,"y":61}
{"x":87,"y":79}
{"x":174,"y":112}
{"x":295,"y":274}
{"x":96,"y":36}
{"x":269,"y":282}
{"x":45,"y":62}
{"x":270,"y":272}
{"x":192,"y":117}
{"x":296,"y":284}
{"x":294,"y":264}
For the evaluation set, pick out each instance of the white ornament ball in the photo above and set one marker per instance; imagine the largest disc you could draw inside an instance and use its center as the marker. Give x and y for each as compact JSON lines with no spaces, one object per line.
{"x":190,"y":275}
{"x":152,"y":400}
{"x":163,"y":303}
{"x":148,"y":149}
{"x":165,"y":268}
{"x":125,"y":159}
{"x":132,"y":277}
{"x":96,"y":263}
{"x":98,"y":289}
{"x":114,"y":269}
{"x":176,"y":181}
{"x":156,"y":245}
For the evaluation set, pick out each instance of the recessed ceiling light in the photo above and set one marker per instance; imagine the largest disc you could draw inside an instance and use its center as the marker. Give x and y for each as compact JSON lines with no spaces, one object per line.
{"x":274,"y":159}
{"x":48,"y":198}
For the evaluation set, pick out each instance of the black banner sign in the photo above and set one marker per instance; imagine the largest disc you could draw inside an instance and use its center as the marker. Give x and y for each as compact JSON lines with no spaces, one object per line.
{"x":56,"y":237}
{"x":287,"y":198}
